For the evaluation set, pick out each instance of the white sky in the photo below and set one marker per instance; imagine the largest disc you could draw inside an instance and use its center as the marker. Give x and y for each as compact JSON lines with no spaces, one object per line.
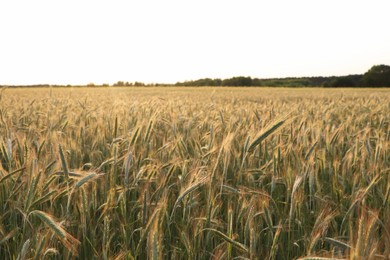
{"x":83,"y":41}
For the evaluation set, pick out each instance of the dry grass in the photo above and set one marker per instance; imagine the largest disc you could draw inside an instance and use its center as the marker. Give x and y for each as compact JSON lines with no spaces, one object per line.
{"x":195,"y":173}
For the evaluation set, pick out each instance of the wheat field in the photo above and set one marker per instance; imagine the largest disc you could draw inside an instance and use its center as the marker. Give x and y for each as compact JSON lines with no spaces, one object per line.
{"x":194,"y":173}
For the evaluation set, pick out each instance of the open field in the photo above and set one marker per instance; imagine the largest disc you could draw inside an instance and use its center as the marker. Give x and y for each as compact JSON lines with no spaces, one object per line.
{"x":194,"y":173}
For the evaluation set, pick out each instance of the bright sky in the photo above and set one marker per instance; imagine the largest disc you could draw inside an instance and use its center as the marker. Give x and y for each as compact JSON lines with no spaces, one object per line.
{"x":83,"y":41}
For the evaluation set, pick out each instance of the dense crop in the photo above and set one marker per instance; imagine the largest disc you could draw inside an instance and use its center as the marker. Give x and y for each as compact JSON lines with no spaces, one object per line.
{"x":180,"y":173}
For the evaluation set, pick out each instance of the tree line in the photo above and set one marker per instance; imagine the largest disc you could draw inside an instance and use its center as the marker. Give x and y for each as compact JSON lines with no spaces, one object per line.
{"x":376,"y":76}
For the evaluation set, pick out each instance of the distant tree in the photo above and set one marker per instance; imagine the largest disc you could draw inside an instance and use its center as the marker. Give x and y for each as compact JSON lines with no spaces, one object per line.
{"x":257,"y":82}
{"x":237,"y":81}
{"x":377,"y":76}
{"x":205,"y":82}
{"x":217,"y":82}
{"x":341,"y":82}
{"x":119,"y":83}
{"x":138,"y":84}
{"x":201,"y":83}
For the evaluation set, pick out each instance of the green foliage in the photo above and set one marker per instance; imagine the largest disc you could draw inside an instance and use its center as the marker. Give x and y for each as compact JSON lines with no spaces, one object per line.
{"x":201,"y":83}
{"x":238,"y":81}
{"x":377,"y":76}
{"x":341,"y":82}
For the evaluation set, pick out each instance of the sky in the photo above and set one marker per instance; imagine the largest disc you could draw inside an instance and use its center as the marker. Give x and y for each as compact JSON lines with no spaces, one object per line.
{"x":165,"y":41}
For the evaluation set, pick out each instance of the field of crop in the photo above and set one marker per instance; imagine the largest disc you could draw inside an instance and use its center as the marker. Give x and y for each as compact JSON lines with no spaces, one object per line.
{"x":194,"y":173}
